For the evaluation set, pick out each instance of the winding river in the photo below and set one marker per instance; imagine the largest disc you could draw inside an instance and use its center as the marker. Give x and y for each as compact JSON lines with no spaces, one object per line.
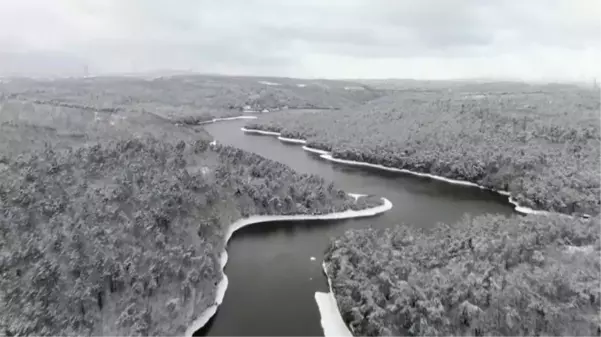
{"x":274,"y":269}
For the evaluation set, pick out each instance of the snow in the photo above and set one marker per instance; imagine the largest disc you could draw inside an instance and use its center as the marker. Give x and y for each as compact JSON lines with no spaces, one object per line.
{"x":214,"y":120}
{"x":329,"y":157}
{"x":314,"y":150}
{"x":268,"y":83}
{"x":213,"y":143}
{"x":260,"y":132}
{"x":199,"y":322}
{"x":233,"y":118}
{"x":277,"y":134}
{"x":356,"y":195}
{"x":331,"y":321}
{"x":301,"y":85}
{"x":331,"y":318}
{"x":222,"y":286}
{"x":284,"y":139}
{"x":580,"y":249}
{"x":527,"y":210}
{"x":292,"y":140}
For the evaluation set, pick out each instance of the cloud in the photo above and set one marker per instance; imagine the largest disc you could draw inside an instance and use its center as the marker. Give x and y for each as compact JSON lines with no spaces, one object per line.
{"x":535,"y":39}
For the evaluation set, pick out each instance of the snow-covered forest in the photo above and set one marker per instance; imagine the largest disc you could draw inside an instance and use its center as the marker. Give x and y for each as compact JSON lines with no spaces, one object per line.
{"x":486,"y":275}
{"x":113,"y":220}
{"x":540,"y":143}
{"x":187,"y":98}
{"x":115,"y":204}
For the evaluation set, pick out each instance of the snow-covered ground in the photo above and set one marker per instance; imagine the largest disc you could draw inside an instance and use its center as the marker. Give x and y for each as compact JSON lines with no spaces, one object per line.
{"x":526,"y":210}
{"x":268,"y":83}
{"x":314,"y":150}
{"x":214,"y":120}
{"x":356,"y":196}
{"x":580,"y":249}
{"x":292,"y":140}
{"x":261,"y":132}
{"x":233,"y":118}
{"x":331,"y":318}
{"x":392,"y":169}
{"x":222,"y":286}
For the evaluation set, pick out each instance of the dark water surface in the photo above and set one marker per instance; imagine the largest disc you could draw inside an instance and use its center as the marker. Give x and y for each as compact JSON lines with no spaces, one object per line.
{"x":272,"y":279}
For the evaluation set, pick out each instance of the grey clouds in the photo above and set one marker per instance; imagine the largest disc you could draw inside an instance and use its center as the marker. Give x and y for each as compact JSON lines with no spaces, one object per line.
{"x":427,"y":39}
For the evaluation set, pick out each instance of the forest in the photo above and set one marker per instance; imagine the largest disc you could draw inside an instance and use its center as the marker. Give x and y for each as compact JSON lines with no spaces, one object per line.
{"x":112,"y":222}
{"x":540,"y":143}
{"x":187,"y":98}
{"x":486,"y":275}
{"x":114,"y":203}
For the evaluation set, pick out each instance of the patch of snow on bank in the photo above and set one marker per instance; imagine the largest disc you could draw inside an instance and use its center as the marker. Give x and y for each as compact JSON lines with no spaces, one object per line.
{"x":329,"y":157}
{"x":214,"y":120}
{"x":222,"y":286}
{"x":314,"y":150}
{"x":331,"y":321}
{"x":301,"y":85}
{"x":209,"y":312}
{"x":356,"y":195}
{"x":261,"y":132}
{"x":233,"y":118}
{"x":331,"y":318}
{"x":580,"y":249}
{"x":292,"y":140}
{"x":268,"y":83}
{"x":527,"y":210}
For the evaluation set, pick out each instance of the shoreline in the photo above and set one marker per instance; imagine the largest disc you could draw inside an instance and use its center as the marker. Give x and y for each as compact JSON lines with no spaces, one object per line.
{"x":327,"y":155}
{"x":214,"y":120}
{"x":205,"y":316}
{"x":292,"y":140}
{"x":331,"y":320}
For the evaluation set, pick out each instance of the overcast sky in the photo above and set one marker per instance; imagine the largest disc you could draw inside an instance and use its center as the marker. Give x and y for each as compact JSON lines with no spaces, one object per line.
{"x":423,"y":39}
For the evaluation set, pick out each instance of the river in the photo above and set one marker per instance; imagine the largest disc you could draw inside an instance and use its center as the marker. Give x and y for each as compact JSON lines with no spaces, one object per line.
{"x":272,"y":276}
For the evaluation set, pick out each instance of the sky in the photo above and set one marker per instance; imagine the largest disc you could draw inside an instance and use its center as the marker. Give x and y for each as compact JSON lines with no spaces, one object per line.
{"x":548,"y":40}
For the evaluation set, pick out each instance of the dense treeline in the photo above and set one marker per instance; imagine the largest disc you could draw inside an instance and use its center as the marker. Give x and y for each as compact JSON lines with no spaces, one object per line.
{"x":190,"y":98}
{"x":25,"y":126}
{"x":543,"y":145}
{"x":123,"y":237}
{"x":112,"y":222}
{"x":487,"y":275}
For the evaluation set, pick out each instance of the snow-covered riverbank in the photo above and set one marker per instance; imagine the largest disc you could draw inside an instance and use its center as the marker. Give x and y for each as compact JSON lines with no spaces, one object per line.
{"x":222,"y":286}
{"x":328,"y":156}
{"x":214,"y":120}
{"x":331,"y":318}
